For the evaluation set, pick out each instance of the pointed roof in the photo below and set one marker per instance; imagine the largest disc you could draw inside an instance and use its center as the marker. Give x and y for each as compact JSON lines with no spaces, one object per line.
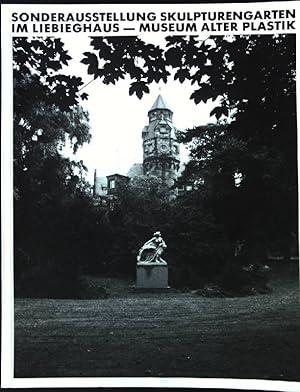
{"x":160,"y":103}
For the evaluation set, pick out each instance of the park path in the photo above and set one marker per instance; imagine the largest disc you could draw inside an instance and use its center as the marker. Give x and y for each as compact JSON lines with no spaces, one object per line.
{"x":168,"y":334}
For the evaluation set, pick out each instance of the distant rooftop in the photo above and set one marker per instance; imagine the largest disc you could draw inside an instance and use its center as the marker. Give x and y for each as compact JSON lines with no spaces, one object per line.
{"x":160,"y":103}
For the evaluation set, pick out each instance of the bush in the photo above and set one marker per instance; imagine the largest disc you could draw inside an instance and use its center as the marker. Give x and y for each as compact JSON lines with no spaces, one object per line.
{"x":91,"y":290}
{"x":247,"y":279}
{"x":46,"y":277}
{"x":196,"y":262}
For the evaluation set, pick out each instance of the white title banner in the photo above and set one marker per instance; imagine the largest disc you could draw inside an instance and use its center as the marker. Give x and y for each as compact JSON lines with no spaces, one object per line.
{"x":137,"y":19}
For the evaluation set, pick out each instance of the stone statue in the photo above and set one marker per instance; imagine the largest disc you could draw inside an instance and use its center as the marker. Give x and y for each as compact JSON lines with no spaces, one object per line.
{"x":152,"y":250}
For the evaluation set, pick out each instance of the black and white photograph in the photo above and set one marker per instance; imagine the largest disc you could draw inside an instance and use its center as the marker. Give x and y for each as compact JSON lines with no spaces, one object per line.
{"x":154,"y":195}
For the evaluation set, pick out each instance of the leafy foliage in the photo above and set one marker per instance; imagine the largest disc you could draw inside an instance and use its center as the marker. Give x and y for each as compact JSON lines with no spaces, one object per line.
{"x":37,"y":63}
{"x":139,"y":209}
{"x":122,"y":56}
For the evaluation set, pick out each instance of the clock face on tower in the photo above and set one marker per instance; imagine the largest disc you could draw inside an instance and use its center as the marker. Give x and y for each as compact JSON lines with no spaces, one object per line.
{"x":164,"y":148}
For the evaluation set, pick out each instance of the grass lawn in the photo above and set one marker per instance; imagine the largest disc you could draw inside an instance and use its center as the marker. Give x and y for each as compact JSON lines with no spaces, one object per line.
{"x":169,"y":334}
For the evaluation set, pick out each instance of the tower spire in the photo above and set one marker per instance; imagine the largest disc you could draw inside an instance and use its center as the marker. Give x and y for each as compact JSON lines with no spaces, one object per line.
{"x":160,"y":103}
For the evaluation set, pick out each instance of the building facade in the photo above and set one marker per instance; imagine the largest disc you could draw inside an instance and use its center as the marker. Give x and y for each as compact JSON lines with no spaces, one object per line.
{"x":160,"y":152}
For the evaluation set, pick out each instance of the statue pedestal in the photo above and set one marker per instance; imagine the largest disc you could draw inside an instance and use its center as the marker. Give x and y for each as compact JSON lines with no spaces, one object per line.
{"x":151,"y":275}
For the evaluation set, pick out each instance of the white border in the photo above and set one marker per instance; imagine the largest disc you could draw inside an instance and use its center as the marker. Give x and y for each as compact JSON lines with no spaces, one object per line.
{"x":140,"y":382}
{"x":7,"y":351}
{"x":7,"y":281}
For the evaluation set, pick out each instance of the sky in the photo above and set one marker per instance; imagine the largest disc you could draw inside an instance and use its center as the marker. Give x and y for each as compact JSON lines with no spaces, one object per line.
{"x":117,"y":119}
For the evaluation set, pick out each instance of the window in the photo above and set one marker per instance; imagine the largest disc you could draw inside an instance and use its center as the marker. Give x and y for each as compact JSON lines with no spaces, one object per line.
{"x":112,"y":184}
{"x":163,"y":129}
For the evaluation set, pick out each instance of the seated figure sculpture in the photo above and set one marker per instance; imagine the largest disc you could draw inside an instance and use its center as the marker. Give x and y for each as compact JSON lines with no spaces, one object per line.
{"x":152,"y":250}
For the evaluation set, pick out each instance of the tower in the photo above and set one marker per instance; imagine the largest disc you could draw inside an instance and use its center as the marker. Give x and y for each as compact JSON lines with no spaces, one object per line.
{"x":160,"y":146}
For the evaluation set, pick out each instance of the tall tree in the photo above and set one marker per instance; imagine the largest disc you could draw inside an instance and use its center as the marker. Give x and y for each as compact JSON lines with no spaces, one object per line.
{"x":50,"y":191}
